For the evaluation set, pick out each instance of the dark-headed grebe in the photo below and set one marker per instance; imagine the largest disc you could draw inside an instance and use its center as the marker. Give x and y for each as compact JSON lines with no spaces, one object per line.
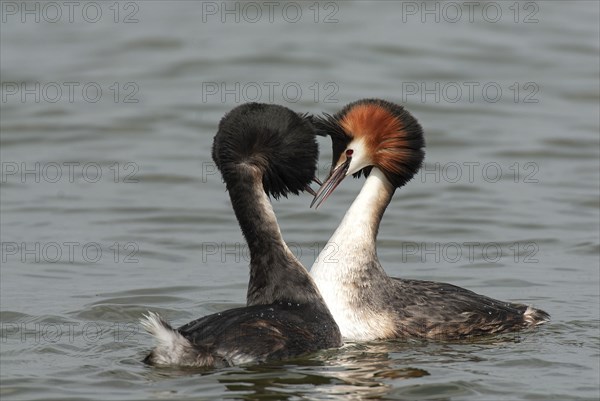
{"x":261,"y":150}
{"x":383,"y":141}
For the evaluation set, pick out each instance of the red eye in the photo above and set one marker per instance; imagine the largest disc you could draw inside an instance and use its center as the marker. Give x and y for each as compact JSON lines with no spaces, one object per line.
{"x":349,"y":152}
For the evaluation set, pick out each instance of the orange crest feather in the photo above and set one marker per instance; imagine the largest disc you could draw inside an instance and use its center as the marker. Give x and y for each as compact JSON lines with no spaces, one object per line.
{"x":380,"y":130}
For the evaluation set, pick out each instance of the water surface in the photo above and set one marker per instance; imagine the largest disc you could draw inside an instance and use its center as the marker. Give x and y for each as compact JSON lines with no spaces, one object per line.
{"x":111,"y":205}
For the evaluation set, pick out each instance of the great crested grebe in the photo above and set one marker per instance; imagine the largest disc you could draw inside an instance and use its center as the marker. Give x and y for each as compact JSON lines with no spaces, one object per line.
{"x":261,"y":150}
{"x":383,"y":141}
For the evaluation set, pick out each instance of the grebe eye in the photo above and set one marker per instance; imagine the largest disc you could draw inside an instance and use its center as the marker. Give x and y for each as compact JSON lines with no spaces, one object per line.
{"x":349,"y":152}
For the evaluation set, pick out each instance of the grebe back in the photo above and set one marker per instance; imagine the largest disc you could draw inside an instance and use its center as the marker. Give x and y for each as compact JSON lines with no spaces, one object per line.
{"x":261,"y":150}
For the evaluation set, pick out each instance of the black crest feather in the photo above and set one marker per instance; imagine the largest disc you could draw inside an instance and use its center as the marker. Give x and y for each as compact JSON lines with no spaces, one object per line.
{"x":280,"y":142}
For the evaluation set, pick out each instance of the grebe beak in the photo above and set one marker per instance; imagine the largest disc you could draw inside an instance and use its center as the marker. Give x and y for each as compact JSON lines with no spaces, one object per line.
{"x":310,"y":190}
{"x":331,"y":183}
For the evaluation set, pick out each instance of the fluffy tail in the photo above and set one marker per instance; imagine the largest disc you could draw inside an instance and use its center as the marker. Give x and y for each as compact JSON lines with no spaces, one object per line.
{"x":535,"y":317}
{"x":172,"y":348}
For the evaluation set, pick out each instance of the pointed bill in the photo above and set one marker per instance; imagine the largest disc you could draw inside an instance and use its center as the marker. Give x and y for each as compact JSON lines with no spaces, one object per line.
{"x":310,"y":190}
{"x":331,"y":183}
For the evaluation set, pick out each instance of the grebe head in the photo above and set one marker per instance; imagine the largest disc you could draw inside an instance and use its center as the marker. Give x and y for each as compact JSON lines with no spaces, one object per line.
{"x":371,"y":133}
{"x":278,"y":142}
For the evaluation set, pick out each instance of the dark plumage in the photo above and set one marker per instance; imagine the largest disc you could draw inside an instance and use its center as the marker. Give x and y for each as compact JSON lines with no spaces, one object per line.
{"x":273,"y":138}
{"x":260,"y":150}
{"x":429,"y":309}
{"x":251,"y":334}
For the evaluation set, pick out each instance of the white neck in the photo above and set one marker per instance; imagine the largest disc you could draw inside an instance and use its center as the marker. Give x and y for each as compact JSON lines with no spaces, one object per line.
{"x":354,"y":239}
{"x":348,"y":265}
